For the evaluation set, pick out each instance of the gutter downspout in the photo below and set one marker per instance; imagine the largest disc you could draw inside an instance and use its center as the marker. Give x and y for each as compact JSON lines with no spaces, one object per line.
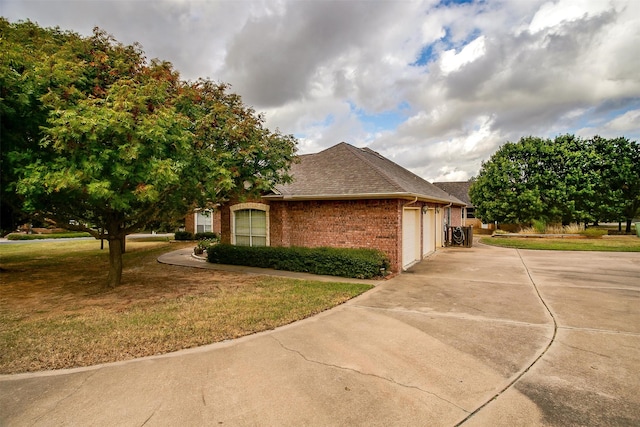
{"x":410,"y":203}
{"x":443,"y":228}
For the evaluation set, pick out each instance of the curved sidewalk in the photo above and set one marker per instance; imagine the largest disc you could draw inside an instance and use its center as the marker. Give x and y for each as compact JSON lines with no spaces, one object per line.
{"x":465,"y":337}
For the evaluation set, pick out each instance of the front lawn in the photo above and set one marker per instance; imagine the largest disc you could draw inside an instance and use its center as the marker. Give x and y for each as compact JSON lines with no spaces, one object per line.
{"x":55,"y":314}
{"x":606,"y":244}
{"x":65,"y":235}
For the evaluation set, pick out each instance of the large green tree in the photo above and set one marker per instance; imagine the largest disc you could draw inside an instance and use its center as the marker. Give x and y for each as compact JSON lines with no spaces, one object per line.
{"x":567,"y":179}
{"x":125,"y":142}
{"x":24,"y":49}
{"x":516,"y":185}
{"x":616,"y":162}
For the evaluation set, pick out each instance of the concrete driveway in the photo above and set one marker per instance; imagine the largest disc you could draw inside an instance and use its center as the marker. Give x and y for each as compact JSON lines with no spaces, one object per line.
{"x":474,"y":337}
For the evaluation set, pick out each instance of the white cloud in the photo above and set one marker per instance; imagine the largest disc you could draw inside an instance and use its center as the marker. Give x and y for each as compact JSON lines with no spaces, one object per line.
{"x":629,"y":121}
{"x":496,"y":70}
{"x":554,"y":13}
{"x":452,"y":61}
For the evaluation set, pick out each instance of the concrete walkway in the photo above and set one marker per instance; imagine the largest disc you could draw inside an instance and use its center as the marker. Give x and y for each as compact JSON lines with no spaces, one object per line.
{"x":474,"y":337}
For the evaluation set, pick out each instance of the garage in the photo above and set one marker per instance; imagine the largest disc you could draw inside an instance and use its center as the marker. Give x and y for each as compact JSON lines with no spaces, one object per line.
{"x":428,"y":231}
{"x":410,"y":237}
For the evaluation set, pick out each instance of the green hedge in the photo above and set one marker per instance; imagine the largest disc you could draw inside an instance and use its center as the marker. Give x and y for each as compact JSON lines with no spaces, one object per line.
{"x":356,"y":263}
{"x":183,"y":235}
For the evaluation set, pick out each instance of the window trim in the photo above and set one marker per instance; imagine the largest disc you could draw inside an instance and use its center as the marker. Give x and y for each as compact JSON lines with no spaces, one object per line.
{"x":250,"y":205}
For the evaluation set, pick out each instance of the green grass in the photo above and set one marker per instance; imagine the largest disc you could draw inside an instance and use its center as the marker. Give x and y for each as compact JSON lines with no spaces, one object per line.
{"x":67,"y":235}
{"x":610,"y":244}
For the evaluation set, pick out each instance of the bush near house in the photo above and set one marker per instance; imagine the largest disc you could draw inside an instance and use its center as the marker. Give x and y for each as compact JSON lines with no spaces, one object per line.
{"x":183,"y":235}
{"x":356,"y":263}
{"x":186,"y":235}
{"x":206,"y":236}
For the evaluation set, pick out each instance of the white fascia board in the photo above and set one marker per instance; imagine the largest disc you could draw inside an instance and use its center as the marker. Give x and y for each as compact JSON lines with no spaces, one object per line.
{"x":362,"y":196}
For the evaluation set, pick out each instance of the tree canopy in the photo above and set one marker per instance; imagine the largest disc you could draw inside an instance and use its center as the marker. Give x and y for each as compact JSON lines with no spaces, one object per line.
{"x":101,"y":138}
{"x":564,"y":180}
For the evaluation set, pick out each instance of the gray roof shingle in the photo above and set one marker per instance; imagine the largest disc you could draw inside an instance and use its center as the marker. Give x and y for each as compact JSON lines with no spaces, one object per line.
{"x":458,"y":189}
{"x":344,"y":171}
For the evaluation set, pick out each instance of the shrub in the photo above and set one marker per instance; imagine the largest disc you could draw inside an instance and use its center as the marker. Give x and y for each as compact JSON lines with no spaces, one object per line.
{"x":207,"y":236}
{"x":204,"y":245}
{"x":343,"y":262}
{"x":594,"y":233}
{"x":540,"y":227}
{"x":183,"y":235}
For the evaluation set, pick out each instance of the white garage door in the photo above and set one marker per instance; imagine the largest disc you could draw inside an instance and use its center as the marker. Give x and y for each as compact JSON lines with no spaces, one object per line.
{"x":410,"y":237}
{"x":429,"y":231}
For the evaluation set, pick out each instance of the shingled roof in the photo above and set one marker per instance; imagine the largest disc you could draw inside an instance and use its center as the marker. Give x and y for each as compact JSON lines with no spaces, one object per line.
{"x":346,"y":172}
{"x":458,"y":189}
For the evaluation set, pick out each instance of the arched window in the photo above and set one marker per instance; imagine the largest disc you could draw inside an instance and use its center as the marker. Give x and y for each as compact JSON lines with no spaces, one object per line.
{"x":250,"y":224}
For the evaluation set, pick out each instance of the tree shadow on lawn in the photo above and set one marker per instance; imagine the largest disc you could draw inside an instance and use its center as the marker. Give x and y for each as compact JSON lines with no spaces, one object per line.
{"x":76,"y":284}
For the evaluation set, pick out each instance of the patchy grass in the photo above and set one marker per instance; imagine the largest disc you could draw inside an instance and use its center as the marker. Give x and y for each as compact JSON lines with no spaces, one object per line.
{"x":608,"y":244}
{"x":55,"y":313}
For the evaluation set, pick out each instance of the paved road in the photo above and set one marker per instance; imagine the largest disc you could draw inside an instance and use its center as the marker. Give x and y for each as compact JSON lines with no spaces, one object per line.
{"x":474,"y":337}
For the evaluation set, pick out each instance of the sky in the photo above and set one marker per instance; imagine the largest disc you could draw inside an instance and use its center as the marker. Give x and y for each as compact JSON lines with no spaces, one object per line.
{"x":436,"y":86}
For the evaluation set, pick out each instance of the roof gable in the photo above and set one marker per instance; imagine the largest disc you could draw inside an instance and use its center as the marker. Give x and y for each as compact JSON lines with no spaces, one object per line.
{"x":458,"y":189}
{"x":344,"y":171}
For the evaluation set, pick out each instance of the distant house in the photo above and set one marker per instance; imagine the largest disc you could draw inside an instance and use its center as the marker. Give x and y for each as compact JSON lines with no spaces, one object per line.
{"x":345,"y":197}
{"x":460,"y":190}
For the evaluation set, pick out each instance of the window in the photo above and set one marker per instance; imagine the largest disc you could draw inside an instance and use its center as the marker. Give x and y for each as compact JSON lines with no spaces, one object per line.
{"x":250,"y":224}
{"x":203,"y":221}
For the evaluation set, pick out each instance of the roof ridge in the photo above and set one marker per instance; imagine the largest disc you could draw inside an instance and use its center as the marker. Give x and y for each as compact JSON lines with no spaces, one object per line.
{"x":381,"y":172}
{"x":348,"y":171}
{"x":395,"y":165}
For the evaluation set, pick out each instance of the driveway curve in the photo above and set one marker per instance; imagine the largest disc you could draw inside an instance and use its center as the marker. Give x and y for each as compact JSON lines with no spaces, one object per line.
{"x":477,"y":336}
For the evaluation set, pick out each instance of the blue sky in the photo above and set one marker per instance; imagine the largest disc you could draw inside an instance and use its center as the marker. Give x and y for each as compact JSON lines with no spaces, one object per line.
{"x":435,"y":85}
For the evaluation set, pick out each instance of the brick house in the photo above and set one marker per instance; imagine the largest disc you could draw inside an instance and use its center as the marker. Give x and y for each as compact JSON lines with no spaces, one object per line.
{"x":460,"y":190}
{"x":202,"y":221}
{"x":345,"y":197}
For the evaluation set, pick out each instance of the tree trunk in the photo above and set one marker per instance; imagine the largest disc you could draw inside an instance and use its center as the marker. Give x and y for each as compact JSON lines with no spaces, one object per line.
{"x":628,"y":229}
{"x":115,"y":260}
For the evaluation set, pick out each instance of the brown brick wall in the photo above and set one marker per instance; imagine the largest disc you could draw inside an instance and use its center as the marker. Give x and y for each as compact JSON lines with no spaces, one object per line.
{"x":190,"y":222}
{"x":456,"y":216}
{"x":373,"y":224}
{"x":345,"y":224}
